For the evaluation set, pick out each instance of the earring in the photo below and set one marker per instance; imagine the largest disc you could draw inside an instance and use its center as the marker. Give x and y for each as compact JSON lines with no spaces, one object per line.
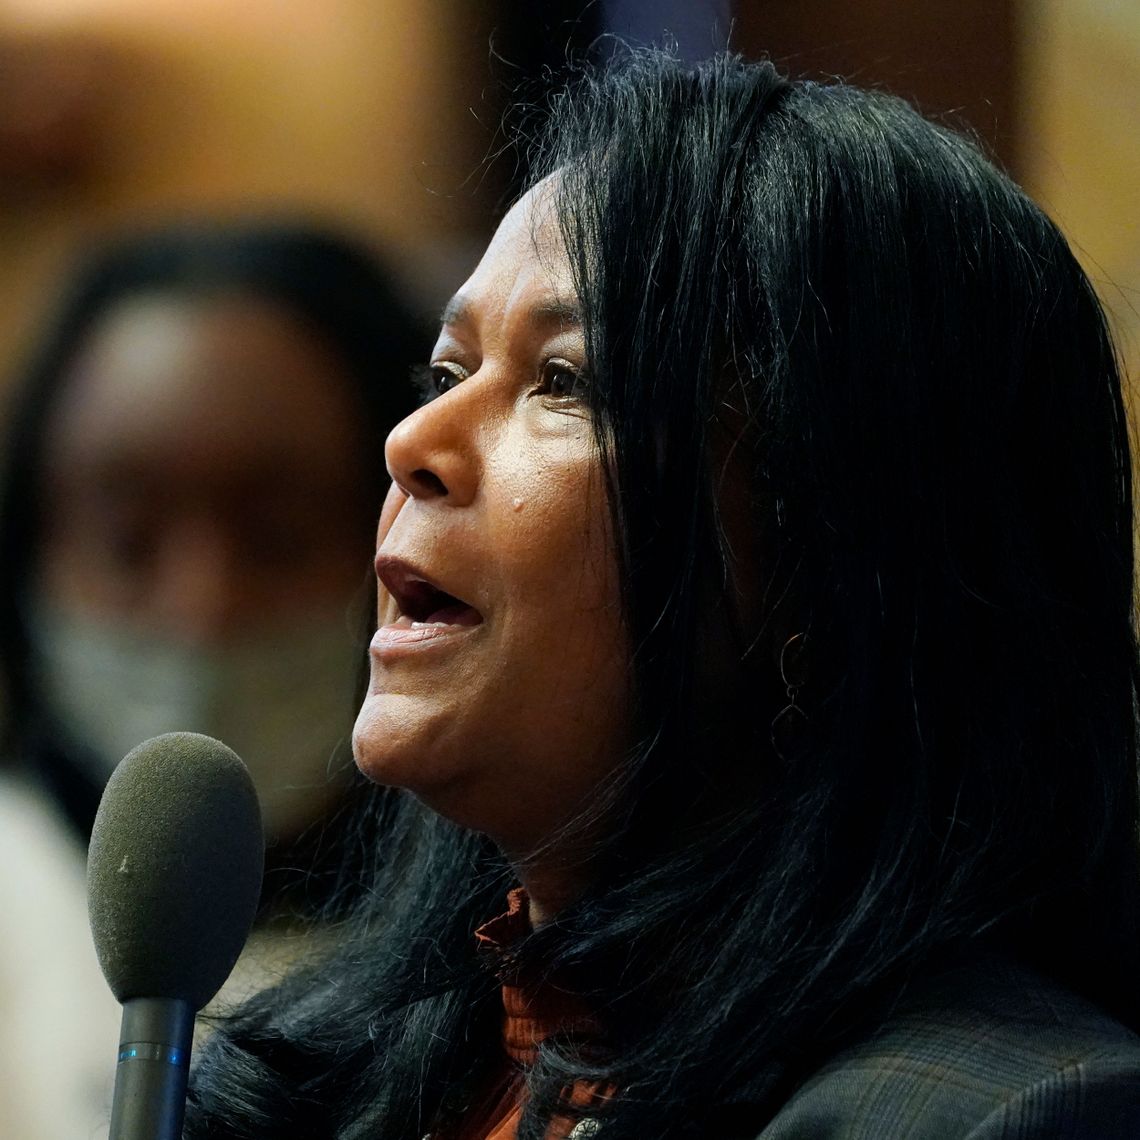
{"x":790,"y":722}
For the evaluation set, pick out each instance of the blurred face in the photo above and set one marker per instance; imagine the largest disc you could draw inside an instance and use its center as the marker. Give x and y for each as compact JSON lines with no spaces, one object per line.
{"x":201,"y":472}
{"x":204,"y":536}
{"x":499,"y":669}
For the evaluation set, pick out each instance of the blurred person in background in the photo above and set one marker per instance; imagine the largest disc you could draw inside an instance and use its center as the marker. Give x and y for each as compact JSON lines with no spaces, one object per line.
{"x":193,"y":474}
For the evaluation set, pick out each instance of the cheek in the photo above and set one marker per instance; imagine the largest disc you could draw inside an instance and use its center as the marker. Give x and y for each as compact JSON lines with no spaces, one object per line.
{"x":555,"y":535}
{"x":564,"y":614}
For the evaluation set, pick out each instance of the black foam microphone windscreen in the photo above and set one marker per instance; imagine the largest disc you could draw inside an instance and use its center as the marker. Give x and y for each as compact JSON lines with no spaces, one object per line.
{"x":174,"y":869}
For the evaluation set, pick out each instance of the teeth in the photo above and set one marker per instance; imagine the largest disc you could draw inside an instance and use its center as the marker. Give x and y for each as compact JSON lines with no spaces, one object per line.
{"x":428,"y":624}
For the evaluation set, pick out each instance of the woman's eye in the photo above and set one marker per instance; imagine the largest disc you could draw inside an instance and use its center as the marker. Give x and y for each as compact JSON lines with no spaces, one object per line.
{"x":563,"y":381}
{"x":445,"y":377}
{"x":432,"y":380}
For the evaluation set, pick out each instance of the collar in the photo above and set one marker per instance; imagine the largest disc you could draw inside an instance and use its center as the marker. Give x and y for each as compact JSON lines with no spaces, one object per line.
{"x":534,"y":1008}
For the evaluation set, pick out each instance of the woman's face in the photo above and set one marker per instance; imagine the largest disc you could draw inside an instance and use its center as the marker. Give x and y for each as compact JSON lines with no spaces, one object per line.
{"x":205,"y":529}
{"x":499,"y":671}
{"x":199,"y":472}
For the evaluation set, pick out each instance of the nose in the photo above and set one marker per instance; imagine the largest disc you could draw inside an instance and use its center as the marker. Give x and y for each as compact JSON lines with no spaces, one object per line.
{"x":434,"y":453}
{"x":199,"y":589}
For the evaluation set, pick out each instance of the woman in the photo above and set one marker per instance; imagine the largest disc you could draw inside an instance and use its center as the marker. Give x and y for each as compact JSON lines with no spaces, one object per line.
{"x":189,"y":511}
{"x":185,"y":524}
{"x":754,"y":589}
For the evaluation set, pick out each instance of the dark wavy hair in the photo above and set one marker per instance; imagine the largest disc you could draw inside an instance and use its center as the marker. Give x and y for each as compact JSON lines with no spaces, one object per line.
{"x":323,"y":278}
{"x":830,"y":342}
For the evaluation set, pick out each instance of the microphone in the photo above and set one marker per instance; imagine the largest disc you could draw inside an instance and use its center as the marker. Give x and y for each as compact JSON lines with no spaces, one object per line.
{"x":173,"y":880}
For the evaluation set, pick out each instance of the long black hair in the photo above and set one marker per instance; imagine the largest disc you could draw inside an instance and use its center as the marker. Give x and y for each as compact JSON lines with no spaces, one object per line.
{"x":323,"y":278}
{"x":870,"y":479}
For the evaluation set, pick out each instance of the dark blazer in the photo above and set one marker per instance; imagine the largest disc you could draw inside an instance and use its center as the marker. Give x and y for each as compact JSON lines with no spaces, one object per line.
{"x":989,"y":1051}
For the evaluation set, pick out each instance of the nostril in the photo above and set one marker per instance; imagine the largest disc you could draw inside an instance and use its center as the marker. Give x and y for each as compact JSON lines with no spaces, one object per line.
{"x":429,"y":481}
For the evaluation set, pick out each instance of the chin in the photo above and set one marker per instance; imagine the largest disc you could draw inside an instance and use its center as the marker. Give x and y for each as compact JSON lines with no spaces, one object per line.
{"x":421,"y":758}
{"x":376,"y":743}
{"x":394,"y":744}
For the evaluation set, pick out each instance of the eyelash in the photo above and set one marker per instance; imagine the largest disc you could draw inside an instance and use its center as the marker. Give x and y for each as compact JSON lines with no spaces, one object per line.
{"x":429,"y":381}
{"x":427,"y":378}
{"x":579,"y":383}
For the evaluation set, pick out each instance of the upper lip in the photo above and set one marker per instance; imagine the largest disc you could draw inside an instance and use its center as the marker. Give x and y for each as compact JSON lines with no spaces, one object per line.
{"x":416,"y":593}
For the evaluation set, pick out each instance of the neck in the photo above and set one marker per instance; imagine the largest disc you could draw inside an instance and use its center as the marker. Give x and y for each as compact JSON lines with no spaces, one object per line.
{"x":555,"y":871}
{"x":554,"y":876}
{"x":549,"y":890}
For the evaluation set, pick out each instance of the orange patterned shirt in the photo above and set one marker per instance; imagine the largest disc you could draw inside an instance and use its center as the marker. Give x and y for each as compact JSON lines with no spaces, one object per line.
{"x":531,"y":1014}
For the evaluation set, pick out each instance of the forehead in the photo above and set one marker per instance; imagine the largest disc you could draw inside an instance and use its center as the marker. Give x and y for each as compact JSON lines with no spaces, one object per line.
{"x":525,"y":264}
{"x":172,"y":383}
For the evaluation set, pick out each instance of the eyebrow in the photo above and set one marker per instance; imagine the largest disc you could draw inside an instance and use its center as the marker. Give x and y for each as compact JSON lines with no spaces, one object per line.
{"x":557,"y":310}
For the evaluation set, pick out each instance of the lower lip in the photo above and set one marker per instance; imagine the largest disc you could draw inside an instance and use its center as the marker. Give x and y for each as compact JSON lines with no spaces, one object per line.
{"x":396,"y":640}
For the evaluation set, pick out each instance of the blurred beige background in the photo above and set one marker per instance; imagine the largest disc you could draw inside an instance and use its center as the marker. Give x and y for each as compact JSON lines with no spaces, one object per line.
{"x":114,"y":112}
{"x":1080,"y":150}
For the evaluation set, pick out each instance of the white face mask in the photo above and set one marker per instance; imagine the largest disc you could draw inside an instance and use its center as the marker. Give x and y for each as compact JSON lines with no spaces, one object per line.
{"x":283,"y":702}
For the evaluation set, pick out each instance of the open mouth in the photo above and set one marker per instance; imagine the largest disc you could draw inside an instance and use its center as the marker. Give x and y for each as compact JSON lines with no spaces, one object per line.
{"x":422,"y":604}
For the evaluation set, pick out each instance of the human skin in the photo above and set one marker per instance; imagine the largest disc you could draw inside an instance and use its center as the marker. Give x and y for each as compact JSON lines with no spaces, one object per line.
{"x":509,"y":706}
{"x":201,"y":471}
